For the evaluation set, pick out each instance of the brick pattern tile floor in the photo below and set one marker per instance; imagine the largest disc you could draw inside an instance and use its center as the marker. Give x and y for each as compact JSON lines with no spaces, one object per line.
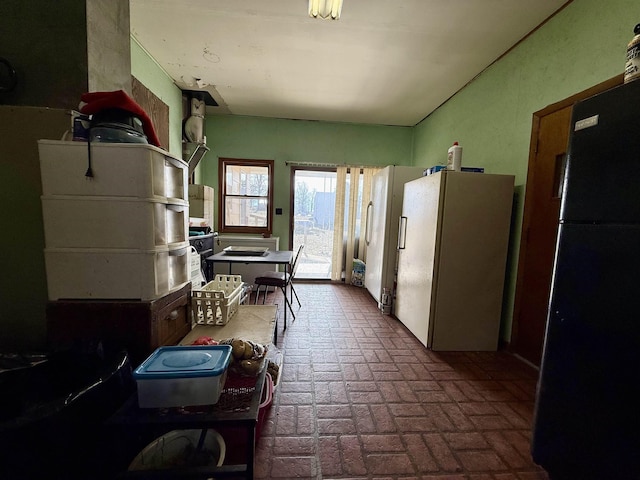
{"x":361,"y":398}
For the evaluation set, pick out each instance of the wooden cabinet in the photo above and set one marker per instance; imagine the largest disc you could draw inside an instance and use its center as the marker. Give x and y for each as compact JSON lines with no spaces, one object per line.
{"x":137,"y":326}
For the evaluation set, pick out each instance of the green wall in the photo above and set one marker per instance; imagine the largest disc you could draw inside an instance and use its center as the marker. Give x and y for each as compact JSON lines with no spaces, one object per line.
{"x":582,"y":46}
{"x":23,"y":282}
{"x":46,"y":42}
{"x":147,"y":71}
{"x":302,"y":142}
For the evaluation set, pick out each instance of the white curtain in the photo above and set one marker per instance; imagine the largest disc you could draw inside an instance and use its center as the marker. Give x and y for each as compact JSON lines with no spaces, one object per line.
{"x":338,"y":225}
{"x":345,"y":236}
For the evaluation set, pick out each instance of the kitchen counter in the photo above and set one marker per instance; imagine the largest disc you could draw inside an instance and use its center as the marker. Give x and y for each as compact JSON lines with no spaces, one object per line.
{"x":257,"y":323}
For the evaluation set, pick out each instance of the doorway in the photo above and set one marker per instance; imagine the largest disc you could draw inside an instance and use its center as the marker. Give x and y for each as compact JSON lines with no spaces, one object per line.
{"x":312,"y":222}
{"x":547,"y":156}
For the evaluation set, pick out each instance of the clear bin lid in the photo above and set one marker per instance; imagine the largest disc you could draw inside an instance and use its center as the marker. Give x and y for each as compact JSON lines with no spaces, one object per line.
{"x":185,"y":361}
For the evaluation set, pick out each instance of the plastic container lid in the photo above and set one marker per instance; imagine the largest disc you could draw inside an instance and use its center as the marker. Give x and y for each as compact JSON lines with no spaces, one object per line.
{"x":185,"y":361}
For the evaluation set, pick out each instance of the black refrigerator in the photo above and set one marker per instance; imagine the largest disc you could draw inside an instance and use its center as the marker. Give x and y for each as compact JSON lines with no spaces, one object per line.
{"x":587,"y":413}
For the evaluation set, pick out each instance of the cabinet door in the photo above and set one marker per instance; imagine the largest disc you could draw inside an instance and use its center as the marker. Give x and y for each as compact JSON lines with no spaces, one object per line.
{"x":113,"y":324}
{"x":138,"y":327}
{"x":171,"y":323}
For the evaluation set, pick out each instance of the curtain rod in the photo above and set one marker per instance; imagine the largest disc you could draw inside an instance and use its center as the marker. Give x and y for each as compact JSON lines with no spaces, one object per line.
{"x":332,"y":165}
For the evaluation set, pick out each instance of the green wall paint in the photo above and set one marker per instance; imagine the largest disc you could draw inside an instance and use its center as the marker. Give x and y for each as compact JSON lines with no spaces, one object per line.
{"x":147,"y":71}
{"x":23,"y":282}
{"x":583,"y":45}
{"x":46,"y":42}
{"x":299,"y":141}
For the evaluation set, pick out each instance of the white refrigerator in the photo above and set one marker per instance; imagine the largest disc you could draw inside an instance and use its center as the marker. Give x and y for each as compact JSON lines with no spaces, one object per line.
{"x":452,"y":253}
{"x":381,"y":230}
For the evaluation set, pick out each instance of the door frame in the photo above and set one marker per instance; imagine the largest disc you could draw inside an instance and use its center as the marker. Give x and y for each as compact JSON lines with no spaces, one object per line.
{"x":530,"y":188}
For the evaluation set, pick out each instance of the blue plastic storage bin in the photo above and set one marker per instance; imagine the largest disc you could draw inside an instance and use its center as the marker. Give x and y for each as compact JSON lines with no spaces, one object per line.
{"x":182,"y":376}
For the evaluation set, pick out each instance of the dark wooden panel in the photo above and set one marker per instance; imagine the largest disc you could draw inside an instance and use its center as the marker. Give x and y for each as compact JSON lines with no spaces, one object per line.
{"x":137,"y":326}
{"x":157,"y":110}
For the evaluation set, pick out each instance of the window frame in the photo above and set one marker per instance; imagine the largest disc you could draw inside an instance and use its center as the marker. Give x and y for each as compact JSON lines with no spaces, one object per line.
{"x":222,"y":196}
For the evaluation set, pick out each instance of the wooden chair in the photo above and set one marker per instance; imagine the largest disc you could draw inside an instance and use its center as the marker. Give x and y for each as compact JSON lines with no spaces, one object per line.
{"x":280,"y":280}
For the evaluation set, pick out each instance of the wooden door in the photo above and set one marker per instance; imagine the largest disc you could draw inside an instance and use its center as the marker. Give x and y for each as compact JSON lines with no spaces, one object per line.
{"x":539,"y":238}
{"x":549,"y":140}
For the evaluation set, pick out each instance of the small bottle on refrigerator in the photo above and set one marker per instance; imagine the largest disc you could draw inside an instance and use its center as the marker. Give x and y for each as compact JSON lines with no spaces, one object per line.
{"x":454,"y":157}
{"x":632,"y":67}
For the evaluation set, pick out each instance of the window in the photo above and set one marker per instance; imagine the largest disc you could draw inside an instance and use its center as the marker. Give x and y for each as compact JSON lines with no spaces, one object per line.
{"x":246,"y":196}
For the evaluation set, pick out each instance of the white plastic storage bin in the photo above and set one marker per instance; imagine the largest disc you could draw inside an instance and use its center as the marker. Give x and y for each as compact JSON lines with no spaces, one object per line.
{"x":217,"y":301}
{"x":119,"y":170}
{"x":113,"y":222}
{"x":76,"y":273}
{"x":182,"y":376}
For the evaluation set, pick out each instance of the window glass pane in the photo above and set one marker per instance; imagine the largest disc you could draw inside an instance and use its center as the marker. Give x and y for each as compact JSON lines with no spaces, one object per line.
{"x":233,"y":182}
{"x":240,"y":211}
{"x":247,"y":180}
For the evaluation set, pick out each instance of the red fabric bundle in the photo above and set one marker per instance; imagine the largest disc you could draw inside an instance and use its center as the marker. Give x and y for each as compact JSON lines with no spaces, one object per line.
{"x":98,"y":101}
{"x":204,"y":341}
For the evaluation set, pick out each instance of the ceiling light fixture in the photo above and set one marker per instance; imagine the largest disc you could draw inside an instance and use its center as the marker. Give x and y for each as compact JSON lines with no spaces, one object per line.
{"x":328,"y":9}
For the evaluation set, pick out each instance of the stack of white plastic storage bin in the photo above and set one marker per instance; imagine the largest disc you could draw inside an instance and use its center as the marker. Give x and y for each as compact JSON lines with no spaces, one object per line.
{"x":119,"y":234}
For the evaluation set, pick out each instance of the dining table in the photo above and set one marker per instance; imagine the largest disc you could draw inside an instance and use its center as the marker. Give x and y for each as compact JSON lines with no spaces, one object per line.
{"x":250,"y":256}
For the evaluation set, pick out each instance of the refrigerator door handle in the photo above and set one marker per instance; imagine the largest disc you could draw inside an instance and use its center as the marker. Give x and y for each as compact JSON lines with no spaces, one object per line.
{"x":402,"y":233}
{"x":367,"y":239}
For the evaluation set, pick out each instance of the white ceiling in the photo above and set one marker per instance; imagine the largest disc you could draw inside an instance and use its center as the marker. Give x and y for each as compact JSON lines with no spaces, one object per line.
{"x":388,"y":62}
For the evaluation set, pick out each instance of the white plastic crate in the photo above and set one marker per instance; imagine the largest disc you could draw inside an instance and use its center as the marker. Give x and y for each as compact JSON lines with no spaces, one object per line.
{"x":77,"y":273}
{"x":119,"y":170}
{"x":72,"y":221}
{"x":217,"y":301}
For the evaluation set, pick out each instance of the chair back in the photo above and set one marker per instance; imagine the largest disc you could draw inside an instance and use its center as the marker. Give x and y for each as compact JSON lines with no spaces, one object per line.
{"x":294,"y":267}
